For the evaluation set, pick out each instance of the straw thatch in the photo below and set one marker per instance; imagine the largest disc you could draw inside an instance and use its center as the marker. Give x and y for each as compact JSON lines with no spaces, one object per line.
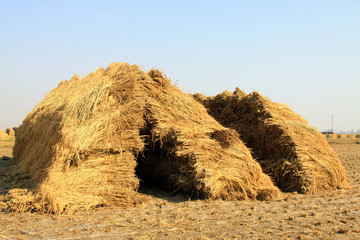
{"x":82,"y":143}
{"x":3,"y":135}
{"x":293,"y":153}
{"x":10,"y":132}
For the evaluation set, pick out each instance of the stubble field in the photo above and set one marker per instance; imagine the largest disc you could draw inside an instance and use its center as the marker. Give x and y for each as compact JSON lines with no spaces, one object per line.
{"x":331,"y":215}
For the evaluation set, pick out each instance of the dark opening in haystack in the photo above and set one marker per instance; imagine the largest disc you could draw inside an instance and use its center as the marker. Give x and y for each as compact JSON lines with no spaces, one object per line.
{"x":81,"y":144}
{"x":148,"y":162}
{"x":293,"y":153}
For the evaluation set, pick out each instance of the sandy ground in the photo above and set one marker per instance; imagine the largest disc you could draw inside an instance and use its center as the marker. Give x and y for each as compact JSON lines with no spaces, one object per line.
{"x":332,"y":215}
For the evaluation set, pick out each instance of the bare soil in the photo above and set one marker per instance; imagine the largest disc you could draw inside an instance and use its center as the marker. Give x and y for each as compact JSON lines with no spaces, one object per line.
{"x":331,"y":215}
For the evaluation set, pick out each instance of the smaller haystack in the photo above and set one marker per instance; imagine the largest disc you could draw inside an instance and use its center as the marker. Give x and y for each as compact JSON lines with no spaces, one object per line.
{"x":341,"y":136}
{"x":91,"y":141}
{"x":331,"y":136}
{"x":351,"y":136}
{"x":10,"y":132}
{"x":294,"y":154}
{"x":3,"y":135}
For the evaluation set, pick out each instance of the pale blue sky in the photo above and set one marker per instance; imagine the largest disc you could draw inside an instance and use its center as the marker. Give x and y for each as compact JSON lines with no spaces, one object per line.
{"x":302,"y":53}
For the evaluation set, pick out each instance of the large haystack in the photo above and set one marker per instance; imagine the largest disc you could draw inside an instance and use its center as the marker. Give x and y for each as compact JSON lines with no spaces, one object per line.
{"x":293,"y":153}
{"x":90,"y":140}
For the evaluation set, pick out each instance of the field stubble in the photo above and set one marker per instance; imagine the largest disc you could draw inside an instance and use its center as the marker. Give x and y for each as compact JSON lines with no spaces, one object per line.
{"x":328,"y":215}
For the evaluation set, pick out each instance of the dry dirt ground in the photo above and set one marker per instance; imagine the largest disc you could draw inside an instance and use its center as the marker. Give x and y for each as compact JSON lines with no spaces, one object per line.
{"x":332,"y":215}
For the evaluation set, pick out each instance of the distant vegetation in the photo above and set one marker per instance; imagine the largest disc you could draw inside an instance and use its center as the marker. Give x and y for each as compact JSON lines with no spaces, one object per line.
{"x":344,"y":132}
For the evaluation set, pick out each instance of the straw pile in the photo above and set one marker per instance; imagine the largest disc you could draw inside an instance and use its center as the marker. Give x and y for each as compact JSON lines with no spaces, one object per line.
{"x":10,"y":132}
{"x":3,"y":135}
{"x":293,"y":153}
{"x":332,"y":136}
{"x":90,"y":140}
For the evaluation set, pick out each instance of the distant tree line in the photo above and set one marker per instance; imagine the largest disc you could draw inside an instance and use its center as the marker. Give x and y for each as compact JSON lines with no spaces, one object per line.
{"x":344,"y":132}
